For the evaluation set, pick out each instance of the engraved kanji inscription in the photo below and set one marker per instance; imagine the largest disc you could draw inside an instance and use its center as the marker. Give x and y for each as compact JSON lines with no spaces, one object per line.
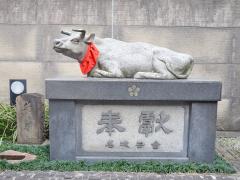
{"x":163,"y":118}
{"x":109,"y":144}
{"x":146,"y":120}
{"x":124,"y":144}
{"x":146,"y":128}
{"x":140,"y":144}
{"x":155,"y":145}
{"x":26,"y":110}
{"x":110,"y":121}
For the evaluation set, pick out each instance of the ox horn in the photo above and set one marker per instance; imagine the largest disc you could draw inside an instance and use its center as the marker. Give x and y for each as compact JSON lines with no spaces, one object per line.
{"x":66,"y":33}
{"x":83,"y":32}
{"x":90,"y":38}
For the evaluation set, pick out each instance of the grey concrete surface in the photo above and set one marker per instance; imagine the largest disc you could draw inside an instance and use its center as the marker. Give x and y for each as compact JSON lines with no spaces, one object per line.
{"x":74,"y":12}
{"x":18,"y":11}
{"x":206,"y":13}
{"x":18,"y":43}
{"x":207,"y":29}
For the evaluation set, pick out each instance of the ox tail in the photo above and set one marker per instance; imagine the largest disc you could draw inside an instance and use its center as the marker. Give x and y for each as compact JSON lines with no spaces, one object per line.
{"x":183,"y":72}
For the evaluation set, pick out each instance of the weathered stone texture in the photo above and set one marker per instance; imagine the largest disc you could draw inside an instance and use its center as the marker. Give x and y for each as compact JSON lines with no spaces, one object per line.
{"x":91,"y":12}
{"x":20,"y":70}
{"x":18,"y":11}
{"x":30,"y":118}
{"x":205,"y":13}
{"x":206,"y":45}
{"x":18,"y":43}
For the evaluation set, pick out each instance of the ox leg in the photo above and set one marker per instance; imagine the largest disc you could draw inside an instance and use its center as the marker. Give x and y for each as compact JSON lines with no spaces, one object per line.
{"x":109,"y":70}
{"x":160,"y":72}
{"x":152,"y":75}
{"x":101,"y":73}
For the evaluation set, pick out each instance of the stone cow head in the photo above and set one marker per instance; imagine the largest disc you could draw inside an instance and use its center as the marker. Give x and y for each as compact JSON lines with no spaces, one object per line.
{"x":74,"y":45}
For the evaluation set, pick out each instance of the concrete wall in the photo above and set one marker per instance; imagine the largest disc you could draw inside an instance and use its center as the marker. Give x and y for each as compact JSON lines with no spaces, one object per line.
{"x":207,"y":29}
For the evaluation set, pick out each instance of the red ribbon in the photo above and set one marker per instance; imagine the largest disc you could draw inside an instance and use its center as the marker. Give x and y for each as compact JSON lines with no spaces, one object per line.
{"x":90,"y":59}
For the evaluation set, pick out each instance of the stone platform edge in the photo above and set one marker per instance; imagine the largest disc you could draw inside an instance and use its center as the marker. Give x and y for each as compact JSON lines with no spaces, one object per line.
{"x":117,"y":89}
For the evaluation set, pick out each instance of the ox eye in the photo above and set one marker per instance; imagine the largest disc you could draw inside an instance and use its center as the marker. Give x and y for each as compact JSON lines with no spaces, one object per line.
{"x":75,"y":40}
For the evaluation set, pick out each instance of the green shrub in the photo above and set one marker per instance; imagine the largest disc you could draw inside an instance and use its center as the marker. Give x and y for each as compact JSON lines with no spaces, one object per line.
{"x":8,"y":124}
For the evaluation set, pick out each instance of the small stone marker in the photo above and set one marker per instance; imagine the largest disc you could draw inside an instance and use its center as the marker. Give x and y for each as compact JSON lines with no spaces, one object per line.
{"x":30,"y":118}
{"x":14,"y":157}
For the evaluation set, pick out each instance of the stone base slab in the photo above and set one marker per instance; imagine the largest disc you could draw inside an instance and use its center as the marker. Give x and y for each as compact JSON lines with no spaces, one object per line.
{"x":114,"y":119}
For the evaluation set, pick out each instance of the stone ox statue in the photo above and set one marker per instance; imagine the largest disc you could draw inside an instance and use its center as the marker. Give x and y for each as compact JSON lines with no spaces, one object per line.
{"x":112,"y":58}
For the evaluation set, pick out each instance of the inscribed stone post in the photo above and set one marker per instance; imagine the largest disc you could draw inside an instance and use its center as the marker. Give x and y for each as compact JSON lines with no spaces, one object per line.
{"x":30,"y":118}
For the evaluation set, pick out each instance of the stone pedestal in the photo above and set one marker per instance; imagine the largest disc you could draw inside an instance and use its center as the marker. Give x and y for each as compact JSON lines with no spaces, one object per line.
{"x":30,"y":118}
{"x":115,"y":119}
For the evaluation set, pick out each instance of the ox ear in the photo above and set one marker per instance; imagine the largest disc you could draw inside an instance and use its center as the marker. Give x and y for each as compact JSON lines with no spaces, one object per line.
{"x":90,"y":38}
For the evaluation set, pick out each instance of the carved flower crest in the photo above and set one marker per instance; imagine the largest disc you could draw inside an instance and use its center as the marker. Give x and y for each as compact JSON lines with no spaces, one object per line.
{"x":133,"y":90}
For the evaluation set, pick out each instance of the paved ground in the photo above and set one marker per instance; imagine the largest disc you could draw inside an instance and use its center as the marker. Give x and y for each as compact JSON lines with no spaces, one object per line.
{"x":229,"y":149}
{"x":51,"y":175}
{"x":228,"y":145}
